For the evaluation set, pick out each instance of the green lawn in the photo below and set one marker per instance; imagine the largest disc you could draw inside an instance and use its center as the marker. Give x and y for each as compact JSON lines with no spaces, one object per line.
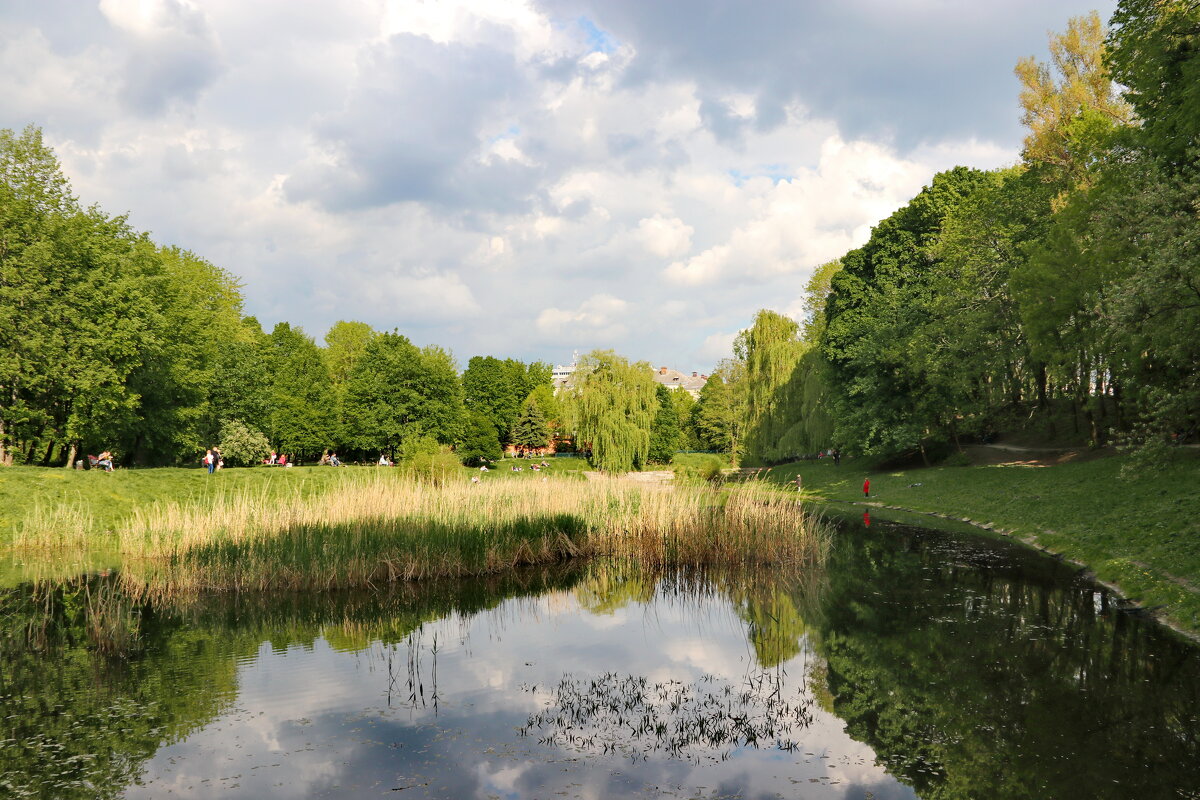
{"x":1142,"y":534}
{"x":111,"y":497}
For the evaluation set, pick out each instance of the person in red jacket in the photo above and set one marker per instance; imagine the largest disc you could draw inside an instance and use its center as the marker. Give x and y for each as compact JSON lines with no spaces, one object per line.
{"x":866,"y":487}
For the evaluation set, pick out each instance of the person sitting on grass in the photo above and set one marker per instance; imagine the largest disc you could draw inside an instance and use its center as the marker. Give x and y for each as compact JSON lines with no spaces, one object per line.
{"x":105,"y":460}
{"x":282,"y":461}
{"x":333,"y":460}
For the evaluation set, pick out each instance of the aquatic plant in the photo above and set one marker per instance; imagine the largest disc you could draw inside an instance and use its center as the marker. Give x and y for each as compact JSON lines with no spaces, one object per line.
{"x":387,"y":527}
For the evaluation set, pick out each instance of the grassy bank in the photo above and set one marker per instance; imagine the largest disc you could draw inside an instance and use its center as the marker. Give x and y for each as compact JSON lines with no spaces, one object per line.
{"x":1140,"y":533}
{"x":108,"y":500}
{"x":370,"y":526}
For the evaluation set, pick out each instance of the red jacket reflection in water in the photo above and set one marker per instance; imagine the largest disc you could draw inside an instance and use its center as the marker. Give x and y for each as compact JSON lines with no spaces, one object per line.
{"x":866,"y":519}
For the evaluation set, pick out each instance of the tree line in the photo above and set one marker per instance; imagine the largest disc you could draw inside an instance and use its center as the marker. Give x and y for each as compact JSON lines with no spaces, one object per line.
{"x":1061,"y":294}
{"x":109,"y":341}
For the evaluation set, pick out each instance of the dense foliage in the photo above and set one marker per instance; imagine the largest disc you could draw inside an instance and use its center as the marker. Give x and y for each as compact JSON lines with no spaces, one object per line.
{"x":1059,"y":296}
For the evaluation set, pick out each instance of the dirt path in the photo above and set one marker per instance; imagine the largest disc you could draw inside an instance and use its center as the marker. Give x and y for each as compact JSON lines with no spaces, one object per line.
{"x":1015,"y":455}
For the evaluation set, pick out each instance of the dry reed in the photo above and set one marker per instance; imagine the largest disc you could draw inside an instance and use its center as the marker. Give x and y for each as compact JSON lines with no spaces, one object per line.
{"x":386,"y":528}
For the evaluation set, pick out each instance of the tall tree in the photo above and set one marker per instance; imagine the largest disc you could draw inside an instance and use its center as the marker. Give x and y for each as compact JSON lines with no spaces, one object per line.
{"x":720,"y":413}
{"x":1154,"y":51}
{"x":665,"y":431}
{"x":499,"y":387}
{"x":883,"y":400}
{"x":383,"y":393}
{"x":1070,"y":108}
{"x":301,"y":421}
{"x":612,"y":406}
{"x":530,"y":431}
{"x":481,"y":441}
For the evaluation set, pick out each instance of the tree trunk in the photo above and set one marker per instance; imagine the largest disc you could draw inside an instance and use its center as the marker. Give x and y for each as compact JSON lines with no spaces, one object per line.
{"x":6,"y":458}
{"x":924,"y":455}
{"x":70,"y":457}
{"x":49,"y":452}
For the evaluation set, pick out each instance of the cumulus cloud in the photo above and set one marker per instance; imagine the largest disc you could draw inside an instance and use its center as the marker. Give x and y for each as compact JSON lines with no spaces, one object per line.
{"x":665,"y":237}
{"x":599,"y":316}
{"x":579,"y":174}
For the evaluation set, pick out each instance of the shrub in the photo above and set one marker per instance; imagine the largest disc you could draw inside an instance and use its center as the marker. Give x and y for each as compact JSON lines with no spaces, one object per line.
{"x":241,"y":444}
{"x":957,"y":459}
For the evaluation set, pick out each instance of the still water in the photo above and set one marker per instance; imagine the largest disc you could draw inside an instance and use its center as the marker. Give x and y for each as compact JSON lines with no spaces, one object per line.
{"x":916,"y":664}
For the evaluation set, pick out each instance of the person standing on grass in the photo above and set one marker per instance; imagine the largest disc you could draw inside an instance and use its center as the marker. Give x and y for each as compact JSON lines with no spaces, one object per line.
{"x":209,"y":462}
{"x":866,"y":487}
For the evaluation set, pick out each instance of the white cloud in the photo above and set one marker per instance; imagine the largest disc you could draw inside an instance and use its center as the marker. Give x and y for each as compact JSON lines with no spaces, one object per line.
{"x":424,"y":165}
{"x":665,"y":237}
{"x":600,"y":317}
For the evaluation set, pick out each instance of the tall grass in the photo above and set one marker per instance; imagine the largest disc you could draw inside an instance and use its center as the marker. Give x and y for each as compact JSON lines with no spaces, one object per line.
{"x":385,"y":527}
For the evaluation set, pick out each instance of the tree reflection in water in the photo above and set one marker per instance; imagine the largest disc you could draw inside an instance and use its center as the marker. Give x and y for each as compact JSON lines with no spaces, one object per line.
{"x":700,"y":722}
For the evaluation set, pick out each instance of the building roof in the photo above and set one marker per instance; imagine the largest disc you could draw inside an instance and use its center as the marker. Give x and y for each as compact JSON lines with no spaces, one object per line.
{"x":674,"y":379}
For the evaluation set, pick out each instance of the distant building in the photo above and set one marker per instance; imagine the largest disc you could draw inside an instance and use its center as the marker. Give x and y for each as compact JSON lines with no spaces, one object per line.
{"x":670,"y":378}
{"x":562,"y":374}
{"x":674,"y":379}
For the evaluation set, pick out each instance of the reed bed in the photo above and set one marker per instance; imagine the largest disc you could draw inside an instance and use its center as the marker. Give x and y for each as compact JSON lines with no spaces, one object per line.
{"x":385,"y":528}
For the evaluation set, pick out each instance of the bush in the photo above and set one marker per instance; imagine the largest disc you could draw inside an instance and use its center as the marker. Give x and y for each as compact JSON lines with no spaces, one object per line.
{"x":437,"y":467}
{"x":705,"y":469}
{"x":241,"y":444}
{"x":957,"y":459}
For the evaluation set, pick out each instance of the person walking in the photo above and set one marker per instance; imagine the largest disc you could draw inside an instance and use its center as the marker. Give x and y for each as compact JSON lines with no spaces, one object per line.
{"x":866,"y":487}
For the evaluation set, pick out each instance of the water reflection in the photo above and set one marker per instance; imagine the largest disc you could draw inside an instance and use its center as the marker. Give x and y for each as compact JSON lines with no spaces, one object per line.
{"x":916,"y":664}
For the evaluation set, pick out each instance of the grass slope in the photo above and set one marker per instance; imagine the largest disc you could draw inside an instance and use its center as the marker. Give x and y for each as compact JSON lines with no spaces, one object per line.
{"x":110,"y":498}
{"x":1140,"y":533}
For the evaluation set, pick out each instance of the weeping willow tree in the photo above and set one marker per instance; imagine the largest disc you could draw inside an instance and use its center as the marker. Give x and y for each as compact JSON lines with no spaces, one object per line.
{"x":612,"y":405}
{"x":772,"y":349}
{"x":788,"y":378}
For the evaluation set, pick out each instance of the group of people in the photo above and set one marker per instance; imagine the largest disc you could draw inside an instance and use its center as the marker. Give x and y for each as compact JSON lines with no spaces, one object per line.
{"x":833,"y":453}
{"x":213,"y":460}
{"x":534,"y":467}
{"x":277,"y":460}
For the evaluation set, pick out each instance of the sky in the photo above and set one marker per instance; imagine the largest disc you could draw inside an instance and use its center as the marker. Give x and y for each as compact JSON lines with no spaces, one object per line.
{"x":520,"y":178}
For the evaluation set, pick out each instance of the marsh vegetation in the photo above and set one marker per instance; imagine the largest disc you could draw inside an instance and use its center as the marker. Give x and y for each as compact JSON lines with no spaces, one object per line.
{"x":377,"y":527}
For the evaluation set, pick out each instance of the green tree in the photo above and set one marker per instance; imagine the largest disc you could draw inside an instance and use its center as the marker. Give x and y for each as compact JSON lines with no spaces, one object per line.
{"x":1154,"y":51}
{"x":441,"y":408}
{"x":481,"y":441}
{"x":612,"y":405}
{"x":344,"y":345}
{"x":383,"y":394}
{"x":720,"y":412}
{"x":530,"y":431}
{"x":882,"y":399}
{"x":1070,"y":110}
{"x":301,"y":421}
{"x":665,"y":431}
{"x":242,"y":445}
{"x":498,"y":387}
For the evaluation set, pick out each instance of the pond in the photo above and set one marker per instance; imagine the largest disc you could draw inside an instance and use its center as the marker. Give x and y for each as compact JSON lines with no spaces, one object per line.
{"x":916,"y":664}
